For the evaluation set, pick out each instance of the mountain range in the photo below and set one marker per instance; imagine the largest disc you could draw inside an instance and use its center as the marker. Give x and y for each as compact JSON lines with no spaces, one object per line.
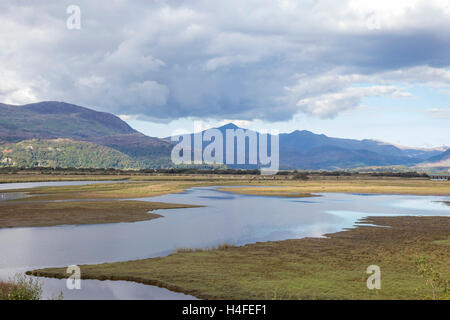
{"x":61,"y":134}
{"x":307,"y":150}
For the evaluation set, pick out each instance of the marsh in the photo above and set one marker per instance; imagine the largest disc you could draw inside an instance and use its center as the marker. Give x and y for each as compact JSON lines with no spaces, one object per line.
{"x":225,"y":217}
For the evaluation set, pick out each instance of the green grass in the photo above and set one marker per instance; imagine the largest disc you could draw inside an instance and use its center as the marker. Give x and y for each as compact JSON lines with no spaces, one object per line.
{"x":442,"y":242}
{"x":309,"y":268}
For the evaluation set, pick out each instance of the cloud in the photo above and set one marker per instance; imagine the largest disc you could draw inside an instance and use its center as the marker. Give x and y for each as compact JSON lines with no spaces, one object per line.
{"x":91,"y":81}
{"x":328,"y":105}
{"x":268,"y":60}
{"x":440,"y":112}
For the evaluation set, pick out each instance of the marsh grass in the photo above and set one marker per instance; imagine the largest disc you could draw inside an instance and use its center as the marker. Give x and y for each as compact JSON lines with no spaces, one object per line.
{"x":222,"y":246}
{"x":47,"y":213}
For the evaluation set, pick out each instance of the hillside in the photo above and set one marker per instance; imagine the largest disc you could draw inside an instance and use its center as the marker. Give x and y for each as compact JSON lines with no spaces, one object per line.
{"x":53,"y":120}
{"x":63,"y":153}
{"x":50,"y":120}
{"x":439,"y":161}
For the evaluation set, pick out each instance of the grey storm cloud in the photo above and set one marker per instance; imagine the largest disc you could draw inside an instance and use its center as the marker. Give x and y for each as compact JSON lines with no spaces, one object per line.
{"x":164,"y":60}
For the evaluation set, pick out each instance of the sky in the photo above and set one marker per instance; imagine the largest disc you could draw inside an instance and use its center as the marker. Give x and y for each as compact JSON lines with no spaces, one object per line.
{"x":350,"y":68}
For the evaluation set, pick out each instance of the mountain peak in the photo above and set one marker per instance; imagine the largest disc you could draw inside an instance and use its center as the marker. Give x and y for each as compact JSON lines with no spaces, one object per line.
{"x":229,"y":126}
{"x":303,"y":132}
{"x":55,"y":107}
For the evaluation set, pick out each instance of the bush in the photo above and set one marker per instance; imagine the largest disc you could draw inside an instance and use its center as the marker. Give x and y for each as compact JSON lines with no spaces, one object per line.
{"x":21,"y":287}
{"x":440,"y":287}
{"x":300,"y":176}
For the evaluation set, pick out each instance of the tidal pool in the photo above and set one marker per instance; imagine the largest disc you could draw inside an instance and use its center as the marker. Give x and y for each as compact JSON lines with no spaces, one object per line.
{"x":227,"y":217}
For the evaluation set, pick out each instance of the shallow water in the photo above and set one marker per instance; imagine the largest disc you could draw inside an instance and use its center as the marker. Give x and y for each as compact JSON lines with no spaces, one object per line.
{"x":226,"y":217}
{"x":28,"y":185}
{"x":11,"y":196}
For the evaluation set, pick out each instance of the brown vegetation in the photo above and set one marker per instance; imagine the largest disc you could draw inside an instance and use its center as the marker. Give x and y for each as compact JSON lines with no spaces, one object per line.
{"x":34,"y":214}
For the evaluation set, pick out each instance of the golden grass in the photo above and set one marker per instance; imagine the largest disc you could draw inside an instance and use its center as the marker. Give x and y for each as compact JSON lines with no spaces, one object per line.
{"x":377,"y":186}
{"x":35,"y":214}
{"x":308,"y":268}
{"x":118,"y":190}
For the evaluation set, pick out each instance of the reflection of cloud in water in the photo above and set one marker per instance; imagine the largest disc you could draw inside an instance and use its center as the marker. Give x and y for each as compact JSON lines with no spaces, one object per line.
{"x":127,"y":290}
{"x":96,"y":289}
{"x":355,"y":215}
{"x":433,"y":204}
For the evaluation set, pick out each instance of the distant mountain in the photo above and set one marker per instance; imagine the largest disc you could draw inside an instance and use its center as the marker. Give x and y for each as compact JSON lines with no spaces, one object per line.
{"x":63,"y":153}
{"x":443,"y":156}
{"x":53,"y":120}
{"x":50,"y":120}
{"x":317,"y":151}
{"x":307,"y":150}
{"x":442,"y":160}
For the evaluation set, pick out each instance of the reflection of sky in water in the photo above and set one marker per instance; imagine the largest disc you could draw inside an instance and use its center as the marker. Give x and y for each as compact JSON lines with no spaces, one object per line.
{"x":306,"y":201}
{"x":11,"y":196}
{"x":226,"y":217}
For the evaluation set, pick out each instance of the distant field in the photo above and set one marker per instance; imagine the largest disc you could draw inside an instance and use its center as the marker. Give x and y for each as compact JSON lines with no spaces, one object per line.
{"x":378,"y":186}
{"x":308,"y":268}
